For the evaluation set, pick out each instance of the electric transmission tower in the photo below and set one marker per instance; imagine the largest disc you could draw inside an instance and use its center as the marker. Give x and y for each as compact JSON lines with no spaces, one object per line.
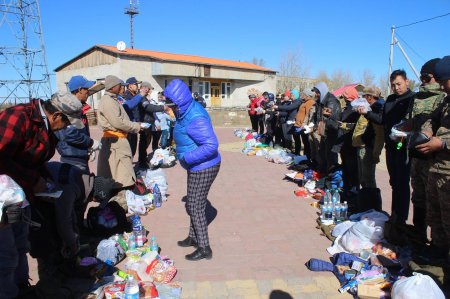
{"x":23,"y":65}
{"x":132,"y":10}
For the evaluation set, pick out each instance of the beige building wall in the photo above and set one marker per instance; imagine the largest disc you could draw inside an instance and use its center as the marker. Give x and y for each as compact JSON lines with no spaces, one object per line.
{"x":97,"y":65}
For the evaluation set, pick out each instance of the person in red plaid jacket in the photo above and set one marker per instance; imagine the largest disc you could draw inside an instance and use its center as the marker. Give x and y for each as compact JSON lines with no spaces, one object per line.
{"x":27,"y":141}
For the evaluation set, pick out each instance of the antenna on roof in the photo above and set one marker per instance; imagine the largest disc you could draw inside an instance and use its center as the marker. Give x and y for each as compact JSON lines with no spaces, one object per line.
{"x":132,"y":10}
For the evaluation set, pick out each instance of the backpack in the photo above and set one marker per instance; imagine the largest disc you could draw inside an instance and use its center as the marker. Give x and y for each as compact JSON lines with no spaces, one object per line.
{"x":98,"y":229}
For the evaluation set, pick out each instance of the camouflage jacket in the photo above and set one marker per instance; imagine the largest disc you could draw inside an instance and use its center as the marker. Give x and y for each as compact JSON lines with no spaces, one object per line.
{"x":426,"y":101}
{"x":440,"y":121}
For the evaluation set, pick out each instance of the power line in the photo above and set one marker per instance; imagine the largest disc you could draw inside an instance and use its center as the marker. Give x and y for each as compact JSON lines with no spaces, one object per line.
{"x":415,"y":52}
{"x":421,"y":21}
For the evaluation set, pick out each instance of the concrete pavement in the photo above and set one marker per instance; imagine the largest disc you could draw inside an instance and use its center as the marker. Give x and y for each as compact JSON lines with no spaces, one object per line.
{"x":261,"y":237}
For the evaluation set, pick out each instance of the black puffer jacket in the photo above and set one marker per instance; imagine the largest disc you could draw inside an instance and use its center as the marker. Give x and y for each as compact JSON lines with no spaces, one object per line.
{"x":393,"y":112}
{"x":288,"y":110}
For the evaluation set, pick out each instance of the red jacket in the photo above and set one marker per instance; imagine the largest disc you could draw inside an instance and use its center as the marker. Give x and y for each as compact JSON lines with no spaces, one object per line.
{"x":25,"y":144}
{"x":253,"y":105}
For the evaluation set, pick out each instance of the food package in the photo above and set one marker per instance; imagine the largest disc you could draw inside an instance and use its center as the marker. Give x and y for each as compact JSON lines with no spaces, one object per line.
{"x":115,"y":290}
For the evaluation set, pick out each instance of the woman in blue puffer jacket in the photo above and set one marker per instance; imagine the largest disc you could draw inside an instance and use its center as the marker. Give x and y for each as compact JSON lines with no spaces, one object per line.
{"x":197,"y":150}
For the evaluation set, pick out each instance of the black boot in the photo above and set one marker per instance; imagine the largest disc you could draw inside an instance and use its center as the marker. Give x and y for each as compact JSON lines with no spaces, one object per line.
{"x":369,"y":198}
{"x":420,"y":225}
{"x":200,"y":253}
{"x":188,"y":242}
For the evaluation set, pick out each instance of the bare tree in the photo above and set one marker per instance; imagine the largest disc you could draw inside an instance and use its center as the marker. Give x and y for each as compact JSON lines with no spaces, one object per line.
{"x":258,"y":61}
{"x":367,"y":78}
{"x":383,"y":82}
{"x":340,"y":78}
{"x":323,"y":77}
{"x":293,"y":71}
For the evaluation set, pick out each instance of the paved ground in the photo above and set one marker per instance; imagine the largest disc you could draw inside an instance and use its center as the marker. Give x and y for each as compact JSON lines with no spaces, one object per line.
{"x":262,"y":235}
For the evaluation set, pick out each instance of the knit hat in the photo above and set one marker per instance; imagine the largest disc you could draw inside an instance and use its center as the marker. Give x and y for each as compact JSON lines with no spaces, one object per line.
{"x":111,"y":81}
{"x":428,"y":67}
{"x":295,"y":93}
{"x":287,"y":93}
{"x":70,"y":106}
{"x":103,"y":189}
{"x":442,"y":69}
{"x":307,"y":92}
{"x":146,"y":84}
{"x":350,"y":93}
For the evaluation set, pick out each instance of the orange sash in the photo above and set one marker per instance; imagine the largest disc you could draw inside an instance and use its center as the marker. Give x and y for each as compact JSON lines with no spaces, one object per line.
{"x":116,"y":134}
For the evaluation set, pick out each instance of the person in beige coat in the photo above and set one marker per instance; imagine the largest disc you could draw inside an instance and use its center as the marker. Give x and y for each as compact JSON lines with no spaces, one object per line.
{"x":115,"y":158}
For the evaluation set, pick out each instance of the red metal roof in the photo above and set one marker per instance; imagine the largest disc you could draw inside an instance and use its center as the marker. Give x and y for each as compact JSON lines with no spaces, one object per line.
{"x":164,"y":56}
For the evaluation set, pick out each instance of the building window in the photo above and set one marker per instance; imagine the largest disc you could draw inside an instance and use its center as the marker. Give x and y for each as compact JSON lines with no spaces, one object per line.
{"x":165,"y":83}
{"x":207,"y":70}
{"x":204,"y":89}
{"x":226,"y":90}
{"x":190,"y":84}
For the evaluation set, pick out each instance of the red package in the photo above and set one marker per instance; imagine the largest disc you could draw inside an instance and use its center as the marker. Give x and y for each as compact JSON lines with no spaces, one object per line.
{"x":115,"y":290}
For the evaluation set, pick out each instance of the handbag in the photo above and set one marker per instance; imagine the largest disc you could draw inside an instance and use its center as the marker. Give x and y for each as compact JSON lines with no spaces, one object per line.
{"x":416,"y":139}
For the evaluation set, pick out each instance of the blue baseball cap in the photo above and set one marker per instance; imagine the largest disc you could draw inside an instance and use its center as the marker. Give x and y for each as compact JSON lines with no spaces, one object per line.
{"x":133,"y":80}
{"x":77,"y":82}
{"x":123,"y":83}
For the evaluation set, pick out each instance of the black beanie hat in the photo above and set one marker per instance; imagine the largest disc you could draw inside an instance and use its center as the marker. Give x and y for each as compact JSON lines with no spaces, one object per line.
{"x":103,"y":189}
{"x":428,"y":67}
{"x":442,"y":69}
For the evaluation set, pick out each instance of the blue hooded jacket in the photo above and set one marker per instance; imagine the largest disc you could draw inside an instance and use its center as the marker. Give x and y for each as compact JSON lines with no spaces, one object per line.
{"x":197,"y":144}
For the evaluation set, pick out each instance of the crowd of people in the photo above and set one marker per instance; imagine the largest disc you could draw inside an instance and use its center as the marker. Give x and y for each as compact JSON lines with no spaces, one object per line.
{"x":51,"y":223}
{"x":413,"y":127}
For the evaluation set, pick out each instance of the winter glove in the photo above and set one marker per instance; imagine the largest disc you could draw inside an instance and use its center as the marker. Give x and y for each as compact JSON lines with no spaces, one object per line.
{"x":96,"y":146}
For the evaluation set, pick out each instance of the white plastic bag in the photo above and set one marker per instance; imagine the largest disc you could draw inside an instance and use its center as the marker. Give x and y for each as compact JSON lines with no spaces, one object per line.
{"x":361,"y":102}
{"x":10,"y":193}
{"x":362,"y":235}
{"x":418,"y":286}
{"x":341,"y":228}
{"x":135,"y":203}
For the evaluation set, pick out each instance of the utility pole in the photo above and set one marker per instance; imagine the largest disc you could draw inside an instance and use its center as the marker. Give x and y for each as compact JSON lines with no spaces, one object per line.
{"x":24,"y":73}
{"x":132,"y":10}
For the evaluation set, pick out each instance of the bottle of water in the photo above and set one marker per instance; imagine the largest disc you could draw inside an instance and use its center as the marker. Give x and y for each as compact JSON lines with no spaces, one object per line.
{"x":157,"y":198}
{"x":329,"y":213}
{"x":131,"y":242}
{"x":338,"y":214}
{"x":328,"y":196}
{"x":324,"y":211}
{"x":154,"y":244}
{"x":131,"y":288}
{"x":344,"y":211}
{"x":336,"y":197}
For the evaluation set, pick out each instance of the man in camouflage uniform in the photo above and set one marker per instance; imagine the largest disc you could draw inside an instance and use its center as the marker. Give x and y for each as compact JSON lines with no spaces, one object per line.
{"x":438,"y":186}
{"x":429,"y":97}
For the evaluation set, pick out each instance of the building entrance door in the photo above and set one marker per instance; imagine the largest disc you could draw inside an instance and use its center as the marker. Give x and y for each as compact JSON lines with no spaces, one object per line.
{"x":216,"y":100}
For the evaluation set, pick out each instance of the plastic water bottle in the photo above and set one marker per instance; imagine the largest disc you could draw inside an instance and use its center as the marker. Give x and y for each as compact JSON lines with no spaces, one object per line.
{"x":324,"y":211}
{"x":131,"y":288}
{"x":344,"y":211}
{"x":329,"y":213}
{"x":338,"y":214}
{"x":336,"y":197}
{"x":131,"y":242}
{"x":157,"y":198}
{"x":154,"y":244}
{"x":328,"y":196}
{"x":136,"y":223}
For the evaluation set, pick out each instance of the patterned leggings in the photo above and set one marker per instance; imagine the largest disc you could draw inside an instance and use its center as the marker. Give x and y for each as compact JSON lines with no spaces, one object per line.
{"x":198,"y":185}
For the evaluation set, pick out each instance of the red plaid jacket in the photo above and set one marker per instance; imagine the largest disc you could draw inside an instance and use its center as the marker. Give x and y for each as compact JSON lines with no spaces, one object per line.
{"x":25,"y":144}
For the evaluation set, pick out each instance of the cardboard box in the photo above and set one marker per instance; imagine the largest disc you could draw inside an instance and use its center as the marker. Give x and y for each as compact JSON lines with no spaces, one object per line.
{"x":369,"y":291}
